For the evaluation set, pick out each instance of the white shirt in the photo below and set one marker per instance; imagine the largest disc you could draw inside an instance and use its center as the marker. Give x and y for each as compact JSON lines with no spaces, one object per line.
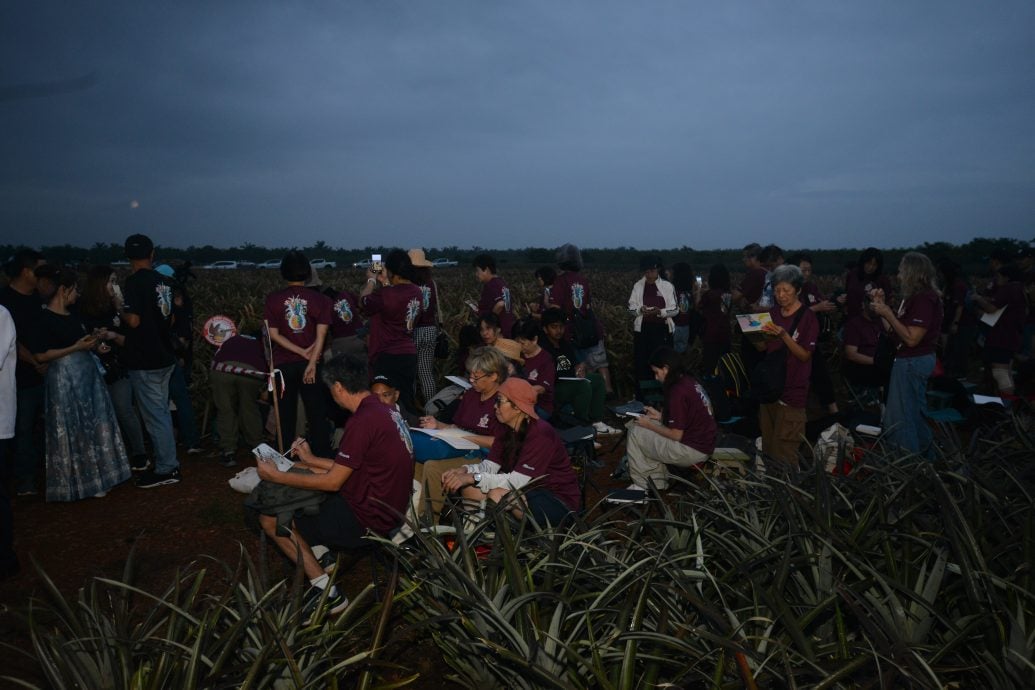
{"x":8,"y":363}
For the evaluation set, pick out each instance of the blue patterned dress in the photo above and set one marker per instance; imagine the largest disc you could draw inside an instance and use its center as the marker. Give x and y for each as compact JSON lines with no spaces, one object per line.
{"x":85,"y":453}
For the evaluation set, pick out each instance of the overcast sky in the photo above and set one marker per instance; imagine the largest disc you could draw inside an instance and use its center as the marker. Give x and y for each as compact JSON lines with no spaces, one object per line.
{"x":511,"y":124}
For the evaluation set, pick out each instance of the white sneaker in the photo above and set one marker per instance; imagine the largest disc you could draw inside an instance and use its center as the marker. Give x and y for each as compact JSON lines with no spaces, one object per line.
{"x":605,"y":429}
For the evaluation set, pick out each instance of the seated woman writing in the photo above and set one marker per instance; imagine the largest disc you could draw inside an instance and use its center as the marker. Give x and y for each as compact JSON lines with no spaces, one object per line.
{"x":682,"y":433}
{"x":475,"y":414}
{"x":528,"y":448}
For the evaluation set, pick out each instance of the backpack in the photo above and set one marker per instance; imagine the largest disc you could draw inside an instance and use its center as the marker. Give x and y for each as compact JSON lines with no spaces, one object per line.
{"x":769,"y":377}
{"x":584,"y":329}
{"x":284,"y":502}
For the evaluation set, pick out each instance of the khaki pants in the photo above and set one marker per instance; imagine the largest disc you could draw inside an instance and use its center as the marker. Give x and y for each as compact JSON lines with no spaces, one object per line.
{"x":429,"y":474}
{"x":236,"y":398}
{"x":782,"y":427}
{"x":649,"y":454}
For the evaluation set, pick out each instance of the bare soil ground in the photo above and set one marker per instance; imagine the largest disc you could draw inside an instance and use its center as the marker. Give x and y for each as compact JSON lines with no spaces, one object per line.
{"x":167,"y":528}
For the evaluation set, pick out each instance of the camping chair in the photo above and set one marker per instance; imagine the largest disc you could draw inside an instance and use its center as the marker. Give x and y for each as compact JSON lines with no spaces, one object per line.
{"x":578,"y":441}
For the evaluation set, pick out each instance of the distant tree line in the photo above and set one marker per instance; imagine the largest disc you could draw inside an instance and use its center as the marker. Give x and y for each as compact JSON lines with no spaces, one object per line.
{"x":972,"y":256}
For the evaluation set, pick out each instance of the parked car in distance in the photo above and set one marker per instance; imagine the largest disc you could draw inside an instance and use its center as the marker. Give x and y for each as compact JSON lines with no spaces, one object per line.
{"x":323,"y":263}
{"x":272,"y":263}
{"x":443,"y":263}
{"x":245,"y":264}
{"x":221,"y":264}
{"x":362,"y":263}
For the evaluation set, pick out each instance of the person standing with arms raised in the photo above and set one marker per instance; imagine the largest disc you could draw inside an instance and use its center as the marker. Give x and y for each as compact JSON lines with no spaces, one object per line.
{"x":394,"y":305}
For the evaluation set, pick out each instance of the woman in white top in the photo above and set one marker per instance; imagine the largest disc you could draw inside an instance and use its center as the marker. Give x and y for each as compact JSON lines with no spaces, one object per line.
{"x":652,"y":304}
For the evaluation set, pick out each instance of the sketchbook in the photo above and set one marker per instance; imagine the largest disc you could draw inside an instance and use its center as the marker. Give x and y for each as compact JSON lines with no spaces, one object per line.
{"x":454,"y":436}
{"x":992,"y":318}
{"x":752,"y":323}
{"x":463,"y":383}
{"x":268,"y":453}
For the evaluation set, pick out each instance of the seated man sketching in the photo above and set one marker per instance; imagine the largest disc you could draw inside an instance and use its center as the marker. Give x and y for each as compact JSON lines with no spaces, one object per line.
{"x":371,"y":474}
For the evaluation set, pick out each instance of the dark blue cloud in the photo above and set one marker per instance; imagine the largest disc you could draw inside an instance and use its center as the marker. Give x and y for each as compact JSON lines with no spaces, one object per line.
{"x":603,"y":123}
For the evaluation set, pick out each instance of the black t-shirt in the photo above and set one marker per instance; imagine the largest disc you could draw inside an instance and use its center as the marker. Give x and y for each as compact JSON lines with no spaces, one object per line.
{"x":55,"y":331}
{"x":25,"y":311}
{"x":150,"y":296}
{"x":563,"y":356}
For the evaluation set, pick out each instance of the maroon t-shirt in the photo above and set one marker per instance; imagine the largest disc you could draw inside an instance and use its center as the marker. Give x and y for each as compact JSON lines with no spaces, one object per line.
{"x":543,"y":455}
{"x":1006,"y":333}
{"x":652,"y":297}
{"x":476,"y":415}
{"x":685,"y":304}
{"x":346,"y":319}
{"x":752,"y":284}
{"x":246,"y":349}
{"x":796,"y":386}
{"x":495,"y":290}
{"x":688,"y":408}
{"x":856,"y":289}
{"x":863,"y":333}
{"x":295,"y":312}
{"x":715,"y":308}
{"x":811,"y":295}
{"x":377,"y":446}
{"x":541,"y":370}
{"x":923,"y":309}
{"x":429,"y":305}
{"x":571,"y":293}
{"x":393,"y":312}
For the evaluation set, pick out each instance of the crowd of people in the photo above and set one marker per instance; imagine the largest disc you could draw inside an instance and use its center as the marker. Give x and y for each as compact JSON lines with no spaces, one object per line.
{"x":97,"y":370}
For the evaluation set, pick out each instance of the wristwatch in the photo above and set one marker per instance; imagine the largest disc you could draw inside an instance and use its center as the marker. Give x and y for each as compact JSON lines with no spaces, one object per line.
{"x":477,"y":479}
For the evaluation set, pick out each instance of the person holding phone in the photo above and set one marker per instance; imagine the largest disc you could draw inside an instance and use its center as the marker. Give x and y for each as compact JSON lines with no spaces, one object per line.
{"x":85,"y":455}
{"x":652,"y":304}
{"x":495,"y":297}
{"x":394,"y":304}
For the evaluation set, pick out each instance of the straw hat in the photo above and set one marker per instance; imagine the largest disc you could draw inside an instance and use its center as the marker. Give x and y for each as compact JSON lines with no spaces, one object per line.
{"x":417,"y":258}
{"x":521,"y":393}
{"x":510,"y":349}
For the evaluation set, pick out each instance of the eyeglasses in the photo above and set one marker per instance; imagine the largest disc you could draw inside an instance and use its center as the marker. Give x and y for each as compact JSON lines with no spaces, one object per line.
{"x":475,"y":378}
{"x":500,"y":401}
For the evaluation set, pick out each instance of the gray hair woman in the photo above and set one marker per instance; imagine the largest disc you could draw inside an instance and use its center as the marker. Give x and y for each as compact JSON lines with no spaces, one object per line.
{"x":795,"y":328}
{"x":916,"y":326}
{"x":475,"y":414}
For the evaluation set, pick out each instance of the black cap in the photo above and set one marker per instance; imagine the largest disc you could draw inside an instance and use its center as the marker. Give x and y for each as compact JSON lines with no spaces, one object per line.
{"x":139,"y":247}
{"x":649,"y":262}
{"x":388,"y":379}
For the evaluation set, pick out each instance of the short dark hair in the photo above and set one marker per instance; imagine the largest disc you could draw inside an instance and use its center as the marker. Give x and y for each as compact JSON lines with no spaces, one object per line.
{"x":804,"y":256}
{"x":770,"y":253}
{"x":718,"y":277}
{"x":547,"y":274}
{"x":399,"y":264}
{"x":348,"y":370}
{"x":527,"y":329}
{"x":553,"y":315}
{"x":751,"y":251}
{"x":491,"y":318}
{"x":295,"y":267}
{"x":23,"y":259}
{"x":485,"y":262}
{"x":65,"y":277}
{"x":48,"y":272}
{"x":139,"y":247}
